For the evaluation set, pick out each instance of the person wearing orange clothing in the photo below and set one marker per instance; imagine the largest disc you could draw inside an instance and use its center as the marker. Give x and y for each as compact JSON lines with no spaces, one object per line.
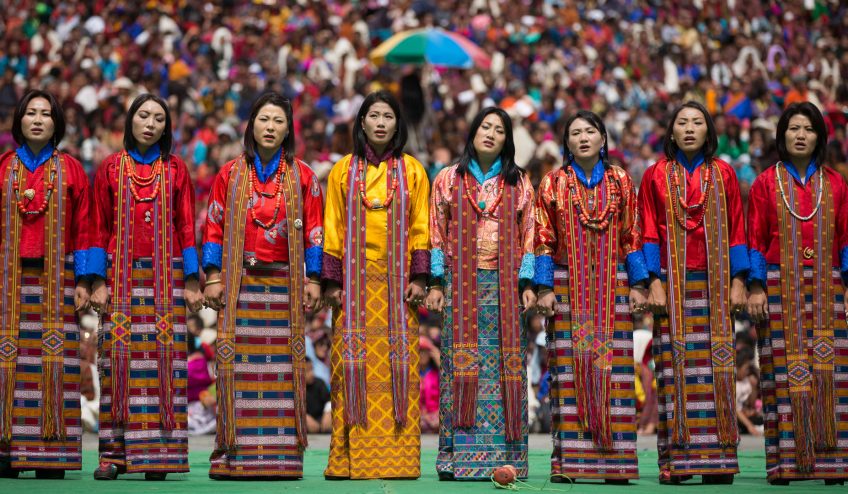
{"x":263,"y":236}
{"x":45,"y":205}
{"x":376,"y":265}
{"x":144,"y":259}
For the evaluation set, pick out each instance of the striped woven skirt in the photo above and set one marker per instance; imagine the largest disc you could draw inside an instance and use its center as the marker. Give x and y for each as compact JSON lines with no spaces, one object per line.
{"x":27,"y":450}
{"x":474,"y":453}
{"x":381,"y":449}
{"x":777,"y":409}
{"x":704,"y":455}
{"x":575,"y":455}
{"x":263,"y":394}
{"x":142,"y":445}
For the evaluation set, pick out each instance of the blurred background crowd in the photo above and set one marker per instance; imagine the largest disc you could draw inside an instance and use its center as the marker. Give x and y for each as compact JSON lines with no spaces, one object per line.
{"x":630,"y":61}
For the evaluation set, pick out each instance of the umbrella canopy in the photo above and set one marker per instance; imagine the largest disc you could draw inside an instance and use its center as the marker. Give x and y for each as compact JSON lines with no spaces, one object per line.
{"x":431,"y":45}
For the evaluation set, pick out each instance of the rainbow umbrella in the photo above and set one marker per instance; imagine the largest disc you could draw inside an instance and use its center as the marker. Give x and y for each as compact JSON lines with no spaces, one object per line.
{"x":431,"y":45}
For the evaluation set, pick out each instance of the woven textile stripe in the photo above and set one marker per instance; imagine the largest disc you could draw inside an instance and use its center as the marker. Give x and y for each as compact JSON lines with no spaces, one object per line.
{"x":782,"y":445}
{"x":381,"y":448}
{"x":142,"y":444}
{"x":27,"y":448}
{"x":576,"y":452}
{"x":266,"y":441}
{"x":703,"y":454}
{"x":474,"y":452}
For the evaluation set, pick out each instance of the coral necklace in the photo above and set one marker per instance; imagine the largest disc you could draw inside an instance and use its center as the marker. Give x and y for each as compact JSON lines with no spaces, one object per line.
{"x":30,"y":193}
{"x":681,"y":208}
{"x":136,"y":180}
{"x":600,"y":221}
{"x":482,"y":208}
{"x":390,"y":194}
{"x":278,"y":193}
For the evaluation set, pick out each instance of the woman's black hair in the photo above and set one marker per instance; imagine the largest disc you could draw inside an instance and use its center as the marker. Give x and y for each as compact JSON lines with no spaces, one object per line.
{"x":56,"y":113}
{"x":810,"y":111}
{"x":398,"y":140}
{"x":509,"y":170}
{"x":275,"y":99}
{"x":596,"y":122}
{"x":167,"y":138}
{"x":710,"y":144}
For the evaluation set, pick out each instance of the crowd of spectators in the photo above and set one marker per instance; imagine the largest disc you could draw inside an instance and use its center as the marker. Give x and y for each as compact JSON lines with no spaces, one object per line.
{"x":630,"y":61}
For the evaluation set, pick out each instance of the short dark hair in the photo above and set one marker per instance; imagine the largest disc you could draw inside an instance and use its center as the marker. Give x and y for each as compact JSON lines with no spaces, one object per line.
{"x":360,"y":140}
{"x":509,"y":170}
{"x":56,"y":113}
{"x":167,"y":137}
{"x":596,"y":122}
{"x":710,"y":145}
{"x":276,"y":99}
{"x":810,"y":111}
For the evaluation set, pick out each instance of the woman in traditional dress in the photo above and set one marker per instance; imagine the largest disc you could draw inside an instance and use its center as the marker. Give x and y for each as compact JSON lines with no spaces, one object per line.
{"x":481,"y":226}
{"x":798,"y":234}
{"x":589,"y":262}
{"x":263,"y":237}
{"x":145,"y":229}
{"x":693,"y":233}
{"x":376,"y":266}
{"x":45,"y":204}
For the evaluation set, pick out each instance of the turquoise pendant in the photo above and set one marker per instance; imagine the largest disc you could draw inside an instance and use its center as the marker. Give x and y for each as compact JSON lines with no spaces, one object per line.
{"x":482,"y":205}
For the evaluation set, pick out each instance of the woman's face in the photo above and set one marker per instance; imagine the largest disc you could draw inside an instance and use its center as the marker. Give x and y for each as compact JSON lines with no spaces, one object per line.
{"x":379,"y":124}
{"x":585,"y":141}
{"x":270,"y":127}
{"x":690,"y":130}
{"x":800,"y":139}
{"x":490,"y":138}
{"x":37,"y":123}
{"x":148,"y":124}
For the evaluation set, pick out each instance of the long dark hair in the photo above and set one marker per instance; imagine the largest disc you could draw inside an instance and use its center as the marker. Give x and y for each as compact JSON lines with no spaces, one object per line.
{"x":710,"y":144}
{"x":509,"y":170}
{"x":56,"y":113}
{"x":596,"y":122}
{"x":810,"y":111}
{"x":360,"y":140}
{"x":167,"y":137}
{"x":276,"y":99}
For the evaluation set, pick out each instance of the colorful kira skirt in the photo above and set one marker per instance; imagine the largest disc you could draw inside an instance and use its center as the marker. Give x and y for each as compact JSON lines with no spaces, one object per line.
{"x":142,"y":445}
{"x":575,"y":454}
{"x":382,"y":449}
{"x":474,"y":453}
{"x":704,"y":455}
{"x":777,"y":409}
{"x":263,"y":394}
{"x":27,"y":449}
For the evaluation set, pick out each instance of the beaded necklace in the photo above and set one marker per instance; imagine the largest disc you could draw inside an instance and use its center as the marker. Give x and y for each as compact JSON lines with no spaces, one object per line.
{"x":137,"y":180}
{"x":30,"y":193}
{"x":375,"y":204}
{"x":681,"y":208}
{"x":600,"y":221}
{"x":278,"y":193}
{"x":786,"y":201}
{"x":481,"y":207}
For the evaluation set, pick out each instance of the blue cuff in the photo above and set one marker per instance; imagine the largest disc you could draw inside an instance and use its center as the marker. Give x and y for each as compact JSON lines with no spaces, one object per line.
{"x":637,"y":268}
{"x":213,"y":255}
{"x":843,"y":256}
{"x":80,"y":264}
{"x":314,"y":259}
{"x":96,"y":262}
{"x":544,"y":271}
{"x":528,"y":267}
{"x":651,"y":252}
{"x":758,"y":267}
{"x":437,"y":263}
{"x":189,"y":262}
{"x":739,"y":262}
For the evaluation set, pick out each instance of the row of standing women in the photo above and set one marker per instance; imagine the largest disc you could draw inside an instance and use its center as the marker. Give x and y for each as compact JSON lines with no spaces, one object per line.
{"x":483,"y":248}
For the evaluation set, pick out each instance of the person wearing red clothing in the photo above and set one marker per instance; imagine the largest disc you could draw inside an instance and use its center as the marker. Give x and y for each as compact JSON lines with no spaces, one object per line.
{"x":798,"y":233}
{"x":262,"y":253}
{"x":693,"y":231}
{"x":45,"y":201}
{"x":144,"y":259}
